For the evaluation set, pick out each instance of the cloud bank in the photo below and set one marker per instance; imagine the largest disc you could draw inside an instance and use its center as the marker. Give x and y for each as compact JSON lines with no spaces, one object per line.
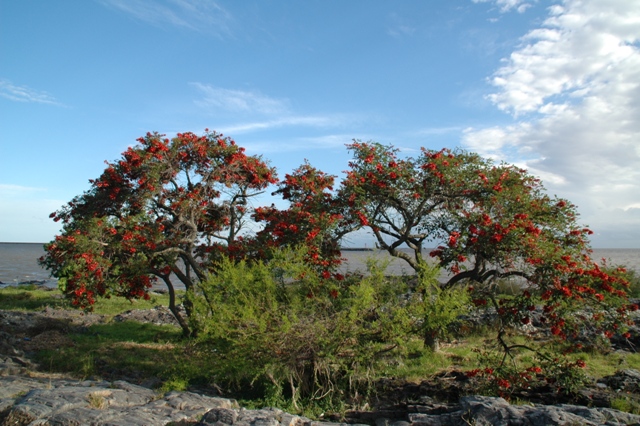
{"x":573,"y":90}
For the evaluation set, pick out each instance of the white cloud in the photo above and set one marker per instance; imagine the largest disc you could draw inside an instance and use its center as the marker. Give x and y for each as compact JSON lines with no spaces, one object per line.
{"x":573,"y":88}
{"x":25,"y":94}
{"x":251,"y":111}
{"x":18,"y":189}
{"x":204,"y":16}
{"x":572,"y":55}
{"x":313,"y":121}
{"x":507,"y":5}
{"x":239,"y":100}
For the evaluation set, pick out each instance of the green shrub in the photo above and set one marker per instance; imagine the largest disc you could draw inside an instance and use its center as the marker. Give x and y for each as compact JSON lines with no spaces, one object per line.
{"x":438,"y":307}
{"x":282,"y":332}
{"x":634,"y":283}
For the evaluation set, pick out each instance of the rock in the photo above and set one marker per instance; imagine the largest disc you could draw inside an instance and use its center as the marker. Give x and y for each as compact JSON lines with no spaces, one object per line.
{"x":101,"y":403}
{"x":158,"y":315}
{"x":481,"y":410}
{"x":65,"y":402}
{"x":242,"y":417}
{"x":625,"y":380}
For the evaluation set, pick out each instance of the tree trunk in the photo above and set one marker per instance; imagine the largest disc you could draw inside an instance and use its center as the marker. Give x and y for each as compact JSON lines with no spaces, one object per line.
{"x":432,"y":341}
{"x":186,"y":330}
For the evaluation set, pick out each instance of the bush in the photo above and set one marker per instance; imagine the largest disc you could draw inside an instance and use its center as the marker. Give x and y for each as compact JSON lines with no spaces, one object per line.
{"x":286,"y":334}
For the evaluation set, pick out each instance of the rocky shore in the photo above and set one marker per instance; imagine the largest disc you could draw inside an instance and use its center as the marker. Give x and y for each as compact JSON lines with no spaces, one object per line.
{"x":30,"y":397}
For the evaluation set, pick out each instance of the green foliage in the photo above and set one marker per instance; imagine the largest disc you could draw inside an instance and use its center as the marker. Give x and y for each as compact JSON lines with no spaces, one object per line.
{"x":143,"y":351}
{"x":626,"y":403}
{"x":278,"y":328}
{"x":492,"y":223}
{"x":175,"y":384}
{"x":288,"y":327}
{"x":162,"y":211}
{"x":440,"y":306}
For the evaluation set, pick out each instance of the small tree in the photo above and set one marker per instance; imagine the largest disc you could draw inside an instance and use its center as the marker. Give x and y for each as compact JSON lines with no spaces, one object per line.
{"x":165,"y":210}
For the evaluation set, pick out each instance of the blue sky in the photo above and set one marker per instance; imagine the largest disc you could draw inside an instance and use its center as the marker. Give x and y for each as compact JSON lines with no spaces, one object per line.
{"x":550,"y":85}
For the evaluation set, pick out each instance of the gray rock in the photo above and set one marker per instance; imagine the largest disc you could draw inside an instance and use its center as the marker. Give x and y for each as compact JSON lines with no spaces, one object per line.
{"x":63,"y":402}
{"x":481,"y":411}
{"x":67,"y":403}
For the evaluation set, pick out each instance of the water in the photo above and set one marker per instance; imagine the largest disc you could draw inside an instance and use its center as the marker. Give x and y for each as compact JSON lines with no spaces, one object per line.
{"x":19,"y":262}
{"x":356,"y":260}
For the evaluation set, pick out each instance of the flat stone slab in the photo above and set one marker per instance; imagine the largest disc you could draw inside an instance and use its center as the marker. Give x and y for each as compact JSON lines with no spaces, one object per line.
{"x":27,"y":401}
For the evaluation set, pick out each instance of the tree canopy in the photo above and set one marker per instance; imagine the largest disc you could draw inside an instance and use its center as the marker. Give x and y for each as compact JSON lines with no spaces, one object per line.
{"x":164,"y":210}
{"x":490,"y":223}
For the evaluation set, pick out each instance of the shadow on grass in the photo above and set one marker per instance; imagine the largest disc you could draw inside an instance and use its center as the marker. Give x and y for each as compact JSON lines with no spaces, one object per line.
{"x":128,"y":350}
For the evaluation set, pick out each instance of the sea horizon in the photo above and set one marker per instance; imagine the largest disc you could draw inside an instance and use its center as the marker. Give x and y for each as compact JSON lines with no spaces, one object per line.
{"x":349,"y":248}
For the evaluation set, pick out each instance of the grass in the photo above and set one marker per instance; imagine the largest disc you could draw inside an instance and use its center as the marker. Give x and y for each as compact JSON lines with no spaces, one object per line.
{"x":33,"y":298}
{"x":129,"y":348}
{"x":626,"y":403}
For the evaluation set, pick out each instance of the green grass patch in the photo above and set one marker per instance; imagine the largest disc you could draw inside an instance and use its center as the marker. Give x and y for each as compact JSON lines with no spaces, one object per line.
{"x":31,"y":298}
{"x":129,"y":348}
{"x":35,"y":298}
{"x":117,"y":305}
{"x":626,"y":403}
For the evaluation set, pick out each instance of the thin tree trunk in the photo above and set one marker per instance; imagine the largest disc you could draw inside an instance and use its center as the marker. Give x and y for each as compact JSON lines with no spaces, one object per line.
{"x":186,"y":330}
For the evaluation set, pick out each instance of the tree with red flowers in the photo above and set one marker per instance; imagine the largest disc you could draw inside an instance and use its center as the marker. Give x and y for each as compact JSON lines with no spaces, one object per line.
{"x":314,"y":219}
{"x":490,"y":223}
{"x":166,"y":210}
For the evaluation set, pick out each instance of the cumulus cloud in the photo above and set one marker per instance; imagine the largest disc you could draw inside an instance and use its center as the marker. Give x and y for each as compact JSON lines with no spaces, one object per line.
{"x":25,"y":94}
{"x":205,"y":16}
{"x":573,"y":89}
